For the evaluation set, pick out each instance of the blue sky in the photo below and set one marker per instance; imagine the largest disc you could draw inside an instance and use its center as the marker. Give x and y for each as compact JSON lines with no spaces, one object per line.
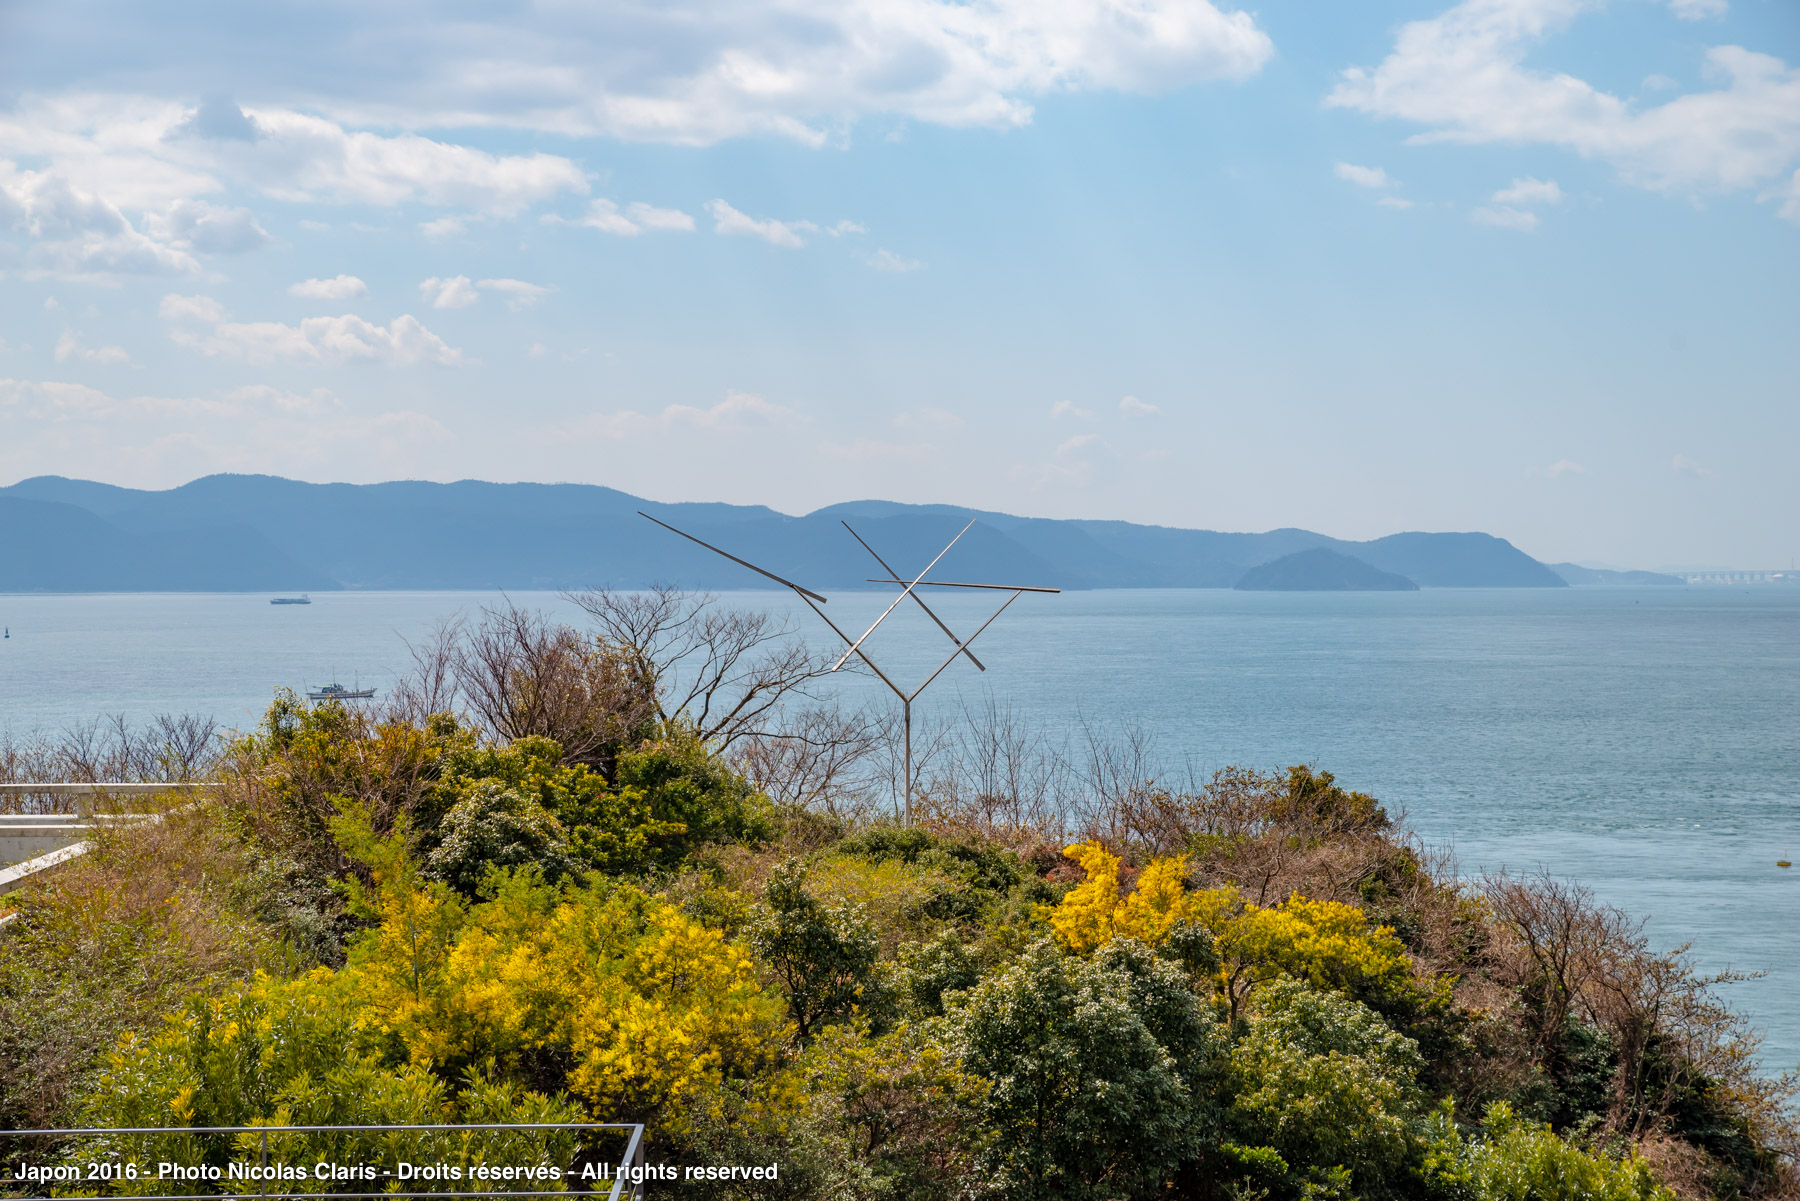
{"x":1527,"y":266}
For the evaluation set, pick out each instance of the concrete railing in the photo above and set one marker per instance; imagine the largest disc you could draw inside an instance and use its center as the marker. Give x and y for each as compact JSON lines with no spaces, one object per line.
{"x":34,"y":843}
{"x":79,"y":788}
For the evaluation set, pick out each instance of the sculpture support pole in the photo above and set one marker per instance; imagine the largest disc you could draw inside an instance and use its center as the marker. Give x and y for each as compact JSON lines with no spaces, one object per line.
{"x":906,"y":810}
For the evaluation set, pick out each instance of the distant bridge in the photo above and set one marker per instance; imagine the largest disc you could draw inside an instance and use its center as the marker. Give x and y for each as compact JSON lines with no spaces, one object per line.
{"x":1790,"y":576}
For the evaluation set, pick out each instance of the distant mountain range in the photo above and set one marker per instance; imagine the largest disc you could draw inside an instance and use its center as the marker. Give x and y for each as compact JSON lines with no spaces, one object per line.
{"x":262,"y":533}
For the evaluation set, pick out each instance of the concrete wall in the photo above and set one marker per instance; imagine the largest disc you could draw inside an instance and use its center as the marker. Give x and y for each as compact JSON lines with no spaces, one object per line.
{"x":26,"y":836}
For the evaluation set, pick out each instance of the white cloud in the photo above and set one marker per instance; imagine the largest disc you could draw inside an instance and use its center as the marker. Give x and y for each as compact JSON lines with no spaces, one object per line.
{"x":519,"y":294}
{"x":845,"y":228}
{"x":604,"y":215}
{"x":1699,"y":10}
{"x":300,"y":157}
{"x":325,"y":341}
{"x":887,"y":260}
{"x":1530,"y":191}
{"x":636,"y":218}
{"x":1363,"y":177}
{"x":648,"y":216}
{"x":1068,"y":408}
{"x":1372,"y":177}
{"x":107,"y":154}
{"x":1505,"y":211}
{"x":670,"y":73}
{"x":77,"y":234}
{"x":1131,"y":406}
{"x":1559,"y":468}
{"x":444,"y":227}
{"x":339,"y":287}
{"x":456,"y":292}
{"x":738,"y":411}
{"x":1463,"y":76}
{"x":69,"y":347}
{"x":208,"y":228}
{"x":727,"y":220}
{"x":58,"y":401}
{"x":1502,"y":217}
{"x":1686,"y":466}
{"x":49,"y":399}
{"x":1079,"y":442}
{"x":191,"y":308}
{"x":459,"y":292}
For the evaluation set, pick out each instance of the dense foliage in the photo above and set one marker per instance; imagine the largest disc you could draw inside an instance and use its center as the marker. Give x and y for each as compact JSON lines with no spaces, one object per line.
{"x":1256,"y":990}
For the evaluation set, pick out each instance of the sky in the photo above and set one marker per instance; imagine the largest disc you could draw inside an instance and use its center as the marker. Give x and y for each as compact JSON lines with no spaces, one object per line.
{"x":1524,"y":266}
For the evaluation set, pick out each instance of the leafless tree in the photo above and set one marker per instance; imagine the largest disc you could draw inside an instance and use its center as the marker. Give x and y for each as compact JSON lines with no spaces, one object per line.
{"x":987,"y":770}
{"x":170,"y":747}
{"x":818,"y":756}
{"x":727,"y":671}
{"x":1577,"y":959}
{"x":432,"y":685}
{"x":1562,"y":933}
{"x":521,"y":674}
{"x":187,"y":744}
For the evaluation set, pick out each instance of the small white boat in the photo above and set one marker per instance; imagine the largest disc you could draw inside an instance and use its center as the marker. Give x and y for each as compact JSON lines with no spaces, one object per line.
{"x":337,"y":692}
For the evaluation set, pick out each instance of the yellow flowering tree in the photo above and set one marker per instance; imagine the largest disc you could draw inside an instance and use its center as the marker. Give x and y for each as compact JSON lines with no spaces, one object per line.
{"x":604,"y":990}
{"x":1325,"y":943}
{"x":601,"y":991}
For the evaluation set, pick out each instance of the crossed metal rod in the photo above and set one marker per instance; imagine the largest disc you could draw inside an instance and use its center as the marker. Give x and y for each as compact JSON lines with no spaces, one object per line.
{"x":909,"y":588}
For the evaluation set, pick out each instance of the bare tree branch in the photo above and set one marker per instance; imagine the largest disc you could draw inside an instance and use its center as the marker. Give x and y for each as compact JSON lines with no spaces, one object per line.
{"x":726,"y":671}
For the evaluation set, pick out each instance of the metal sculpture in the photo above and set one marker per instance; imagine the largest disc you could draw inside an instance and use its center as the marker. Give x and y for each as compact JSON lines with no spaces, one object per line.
{"x":908,"y":588}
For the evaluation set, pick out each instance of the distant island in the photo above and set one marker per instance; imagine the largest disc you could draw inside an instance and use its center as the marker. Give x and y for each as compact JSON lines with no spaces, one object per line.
{"x":1600,"y":576}
{"x":249,"y":533}
{"x":1321,"y":570}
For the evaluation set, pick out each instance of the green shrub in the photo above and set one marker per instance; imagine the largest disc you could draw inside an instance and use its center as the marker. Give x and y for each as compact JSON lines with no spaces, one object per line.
{"x":1324,"y":1082}
{"x":683,"y":783}
{"x":668,"y":798}
{"x":1099,"y":1073}
{"x":824,"y":958}
{"x":494,"y":827}
{"x":1516,"y":1160}
{"x":928,"y":970}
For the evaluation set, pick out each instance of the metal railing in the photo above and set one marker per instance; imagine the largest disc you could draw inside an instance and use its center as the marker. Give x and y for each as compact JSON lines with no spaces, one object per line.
{"x":627,"y":1179}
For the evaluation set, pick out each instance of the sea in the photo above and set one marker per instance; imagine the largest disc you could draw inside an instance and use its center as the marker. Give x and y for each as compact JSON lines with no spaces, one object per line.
{"x":1644,"y":742}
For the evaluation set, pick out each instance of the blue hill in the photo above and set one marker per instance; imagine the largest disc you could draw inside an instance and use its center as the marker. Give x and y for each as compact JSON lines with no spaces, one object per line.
{"x":232,"y":532}
{"x":1321,"y":570}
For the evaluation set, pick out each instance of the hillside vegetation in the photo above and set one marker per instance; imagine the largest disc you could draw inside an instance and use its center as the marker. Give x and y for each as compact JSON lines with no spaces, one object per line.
{"x":566,"y":876}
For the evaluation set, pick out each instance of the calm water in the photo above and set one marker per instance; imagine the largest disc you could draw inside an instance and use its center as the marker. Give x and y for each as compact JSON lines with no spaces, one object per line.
{"x":1644,"y":741}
